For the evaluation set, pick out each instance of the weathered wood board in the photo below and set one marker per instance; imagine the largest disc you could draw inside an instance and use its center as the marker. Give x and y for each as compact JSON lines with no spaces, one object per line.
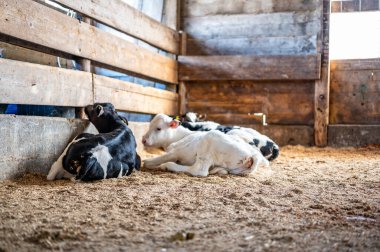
{"x":127,"y":19}
{"x":197,"y":8}
{"x":355,"y":92}
{"x":245,"y":25}
{"x":353,"y":135}
{"x":287,"y":134}
{"x":254,"y":46}
{"x":235,"y":102}
{"x":22,"y":19}
{"x":14,"y":52}
{"x":322,"y":86}
{"x":27,"y":83}
{"x":252,"y":27}
{"x":302,"y":67}
{"x":133,"y":97}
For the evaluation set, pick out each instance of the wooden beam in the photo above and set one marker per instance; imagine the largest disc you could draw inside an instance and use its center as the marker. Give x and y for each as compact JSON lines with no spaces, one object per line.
{"x":182,"y":104}
{"x":322,"y":86}
{"x":22,"y":19}
{"x":86,"y":67}
{"x":127,"y":19}
{"x":303,"y":67}
{"x":133,"y":97}
{"x":27,"y":83}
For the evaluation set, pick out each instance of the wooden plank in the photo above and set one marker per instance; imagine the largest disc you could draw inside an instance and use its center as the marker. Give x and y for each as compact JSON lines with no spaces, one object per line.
{"x":322,"y":86}
{"x":305,"y":67}
{"x":249,"y":25}
{"x":133,"y":97}
{"x":353,"y":135}
{"x":86,"y":67}
{"x":182,"y":104}
{"x":254,"y":46}
{"x":125,"y":18}
{"x":14,"y":52}
{"x":235,"y":102}
{"x":55,"y":30}
{"x":355,"y":64}
{"x":196,"y":8}
{"x":355,"y":97}
{"x":26,"y":83}
{"x":170,"y":14}
{"x":287,"y":134}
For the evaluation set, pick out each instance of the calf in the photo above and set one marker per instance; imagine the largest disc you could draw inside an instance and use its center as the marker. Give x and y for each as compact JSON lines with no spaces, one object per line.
{"x":267,"y":146}
{"x":196,"y":152}
{"x":109,"y":154}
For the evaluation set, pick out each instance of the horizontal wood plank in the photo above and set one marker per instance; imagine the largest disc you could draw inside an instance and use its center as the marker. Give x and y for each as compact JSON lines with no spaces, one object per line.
{"x":253,"y":46}
{"x":22,"y":19}
{"x":235,"y":102}
{"x":353,"y":135}
{"x":196,"y":8}
{"x":127,"y":19}
{"x":26,"y":83}
{"x":14,"y":52}
{"x":357,"y":64}
{"x":246,"y":25}
{"x":287,"y":134}
{"x":194,"y":68}
{"x":133,"y":97}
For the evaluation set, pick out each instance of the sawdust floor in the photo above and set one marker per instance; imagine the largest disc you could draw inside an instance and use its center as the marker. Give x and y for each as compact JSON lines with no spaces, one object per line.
{"x":311,"y":200}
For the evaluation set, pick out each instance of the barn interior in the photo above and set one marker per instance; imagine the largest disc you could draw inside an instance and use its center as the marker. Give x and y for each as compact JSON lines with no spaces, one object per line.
{"x":306,"y":73}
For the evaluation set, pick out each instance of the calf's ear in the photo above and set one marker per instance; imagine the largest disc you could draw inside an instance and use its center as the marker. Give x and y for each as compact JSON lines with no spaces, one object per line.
{"x":174,"y":124}
{"x":123,"y":119}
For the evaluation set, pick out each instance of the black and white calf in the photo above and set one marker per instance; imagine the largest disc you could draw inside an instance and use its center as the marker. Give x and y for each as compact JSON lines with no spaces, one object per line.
{"x":109,"y":154}
{"x":199,"y":153}
{"x":267,"y":146}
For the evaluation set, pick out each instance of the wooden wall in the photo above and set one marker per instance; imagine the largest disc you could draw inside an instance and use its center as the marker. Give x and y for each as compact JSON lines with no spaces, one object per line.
{"x":355,"y":92}
{"x":255,"y":28}
{"x":251,"y":27}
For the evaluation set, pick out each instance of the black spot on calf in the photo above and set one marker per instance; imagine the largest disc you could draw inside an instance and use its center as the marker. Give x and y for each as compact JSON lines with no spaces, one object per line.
{"x":267,"y":149}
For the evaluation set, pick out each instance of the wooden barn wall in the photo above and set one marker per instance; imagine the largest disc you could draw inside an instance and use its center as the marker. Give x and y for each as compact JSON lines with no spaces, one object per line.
{"x":253,"y":27}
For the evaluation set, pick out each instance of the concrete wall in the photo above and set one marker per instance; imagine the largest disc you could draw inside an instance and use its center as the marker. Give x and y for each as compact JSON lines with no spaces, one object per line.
{"x":32,"y":144}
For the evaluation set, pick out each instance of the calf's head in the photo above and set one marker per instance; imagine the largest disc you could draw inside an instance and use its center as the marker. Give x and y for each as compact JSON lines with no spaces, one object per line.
{"x":162,"y":128}
{"x":104,"y":117}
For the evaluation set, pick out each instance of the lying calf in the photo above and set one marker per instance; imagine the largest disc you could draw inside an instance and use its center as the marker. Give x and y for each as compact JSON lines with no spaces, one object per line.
{"x":196,"y":152}
{"x":267,"y":146}
{"x":109,"y":154}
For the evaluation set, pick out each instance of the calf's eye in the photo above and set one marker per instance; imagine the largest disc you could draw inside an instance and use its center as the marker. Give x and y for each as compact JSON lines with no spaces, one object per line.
{"x":158,"y":129}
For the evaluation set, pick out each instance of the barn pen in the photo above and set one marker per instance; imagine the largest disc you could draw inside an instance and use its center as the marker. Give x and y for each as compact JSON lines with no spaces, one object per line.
{"x":290,"y":69}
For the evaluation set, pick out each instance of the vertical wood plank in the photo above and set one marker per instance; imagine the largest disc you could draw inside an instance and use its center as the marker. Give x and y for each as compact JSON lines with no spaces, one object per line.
{"x":182,"y":85}
{"x":86,"y":67}
{"x":322,"y":86}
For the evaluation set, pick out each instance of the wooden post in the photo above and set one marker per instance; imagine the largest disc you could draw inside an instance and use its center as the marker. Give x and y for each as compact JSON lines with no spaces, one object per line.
{"x":322,"y":86}
{"x":86,"y":67}
{"x":182,"y":85}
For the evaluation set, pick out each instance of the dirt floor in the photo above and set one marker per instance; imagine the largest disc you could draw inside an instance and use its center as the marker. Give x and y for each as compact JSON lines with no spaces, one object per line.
{"x":310,"y":200}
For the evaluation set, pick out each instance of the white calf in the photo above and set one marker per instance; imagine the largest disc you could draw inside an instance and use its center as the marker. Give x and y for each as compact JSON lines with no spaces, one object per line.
{"x":196,"y":152}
